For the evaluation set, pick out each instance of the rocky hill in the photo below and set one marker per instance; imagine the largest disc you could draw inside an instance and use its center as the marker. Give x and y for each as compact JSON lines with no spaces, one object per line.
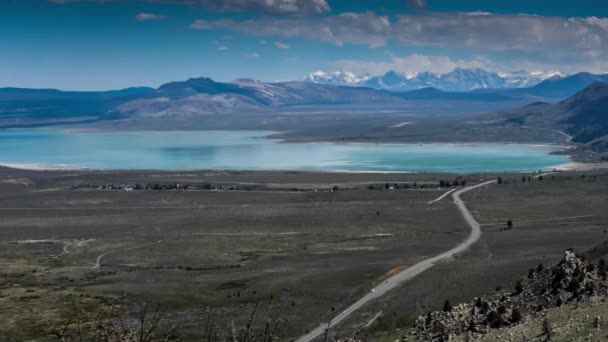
{"x":540,"y":306}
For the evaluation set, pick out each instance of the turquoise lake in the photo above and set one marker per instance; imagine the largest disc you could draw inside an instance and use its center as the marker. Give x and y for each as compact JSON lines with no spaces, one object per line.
{"x":240,"y":150}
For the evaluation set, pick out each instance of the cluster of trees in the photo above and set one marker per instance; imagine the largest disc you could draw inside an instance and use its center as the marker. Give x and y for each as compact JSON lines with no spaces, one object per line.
{"x":456,"y":182}
{"x":415,"y":185}
{"x":524,"y":179}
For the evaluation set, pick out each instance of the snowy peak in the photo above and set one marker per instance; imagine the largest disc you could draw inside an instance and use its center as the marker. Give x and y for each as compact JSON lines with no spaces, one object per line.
{"x":460,"y":79}
{"x":337,"y":78}
{"x":470,"y":79}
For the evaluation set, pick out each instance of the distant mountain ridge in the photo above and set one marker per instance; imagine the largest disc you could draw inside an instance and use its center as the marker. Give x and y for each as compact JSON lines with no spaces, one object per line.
{"x":459,"y":79}
{"x":203,"y":96}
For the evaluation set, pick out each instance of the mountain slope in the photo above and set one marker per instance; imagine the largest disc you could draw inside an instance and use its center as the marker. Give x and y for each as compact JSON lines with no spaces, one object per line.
{"x":583,"y":115}
{"x":587,"y":113}
{"x":204,"y":96}
{"x":562,"y":87}
{"x":31,"y":106}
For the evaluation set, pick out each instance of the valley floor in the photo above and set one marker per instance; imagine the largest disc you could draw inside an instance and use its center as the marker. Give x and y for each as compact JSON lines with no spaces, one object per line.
{"x":303,"y":244}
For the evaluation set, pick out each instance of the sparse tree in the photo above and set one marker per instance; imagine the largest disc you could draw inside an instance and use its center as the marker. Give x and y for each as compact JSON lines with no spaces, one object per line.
{"x":485,"y":307}
{"x":447,"y":306}
{"x":547,"y":330}
{"x":574,"y":285}
{"x":492,"y":319}
{"x":519,"y":287}
{"x":602,"y":268}
{"x":515,"y":316}
{"x":502,"y":310}
{"x":540,"y":268}
{"x":472,"y":325}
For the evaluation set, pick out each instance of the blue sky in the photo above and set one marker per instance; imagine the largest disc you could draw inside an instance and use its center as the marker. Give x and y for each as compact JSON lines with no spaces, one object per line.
{"x":92,"y":45}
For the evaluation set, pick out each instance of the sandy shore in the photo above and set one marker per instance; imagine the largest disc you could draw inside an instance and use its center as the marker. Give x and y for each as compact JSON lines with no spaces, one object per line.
{"x":571,"y":166}
{"x":577,"y":166}
{"x":43,"y":167}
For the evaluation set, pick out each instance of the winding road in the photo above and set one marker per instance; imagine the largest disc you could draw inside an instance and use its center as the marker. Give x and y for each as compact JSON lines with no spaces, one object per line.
{"x":411,"y":272}
{"x":441,"y":197}
{"x":564,"y":134}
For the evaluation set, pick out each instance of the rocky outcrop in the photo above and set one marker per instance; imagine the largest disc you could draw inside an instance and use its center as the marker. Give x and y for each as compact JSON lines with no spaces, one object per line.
{"x":572,"y":280}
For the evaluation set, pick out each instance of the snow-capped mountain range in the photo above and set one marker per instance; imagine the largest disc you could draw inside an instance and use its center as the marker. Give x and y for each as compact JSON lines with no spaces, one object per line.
{"x":457,"y":80}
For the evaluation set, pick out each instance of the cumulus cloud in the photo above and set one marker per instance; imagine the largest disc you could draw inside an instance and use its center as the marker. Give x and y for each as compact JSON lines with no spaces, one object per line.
{"x":356,"y":28}
{"x":551,"y":37}
{"x":270,"y":7}
{"x":266,"y":7}
{"x":148,"y":17}
{"x":499,"y":32}
{"x":281,"y":45}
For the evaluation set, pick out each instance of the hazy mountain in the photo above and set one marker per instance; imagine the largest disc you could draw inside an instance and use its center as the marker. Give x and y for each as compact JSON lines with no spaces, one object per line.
{"x":457,"y":80}
{"x":586,"y":113}
{"x":20,"y":106}
{"x":204,"y":96}
{"x":583,"y":115}
{"x":562,"y":87}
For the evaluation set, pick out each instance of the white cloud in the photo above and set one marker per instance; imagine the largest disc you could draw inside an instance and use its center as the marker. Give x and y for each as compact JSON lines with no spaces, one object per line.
{"x":548,"y":39}
{"x":266,"y":7}
{"x":356,"y":28}
{"x":253,"y":55}
{"x":477,"y":13}
{"x":223,"y":48}
{"x":281,"y":45}
{"x":269,"y":7}
{"x":148,"y":17}
{"x":263,"y":42}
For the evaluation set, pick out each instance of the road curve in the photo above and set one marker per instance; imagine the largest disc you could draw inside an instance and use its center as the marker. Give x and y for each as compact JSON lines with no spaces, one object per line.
{"x":441,"y":197}
{"x":411,"y":272}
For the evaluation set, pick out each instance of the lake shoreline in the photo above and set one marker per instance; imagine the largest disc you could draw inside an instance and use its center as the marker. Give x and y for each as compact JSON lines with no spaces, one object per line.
{"x":255,"y":151}
{"x":566,"y":167}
